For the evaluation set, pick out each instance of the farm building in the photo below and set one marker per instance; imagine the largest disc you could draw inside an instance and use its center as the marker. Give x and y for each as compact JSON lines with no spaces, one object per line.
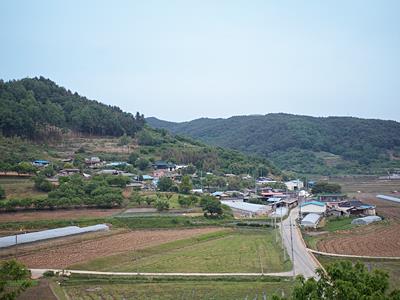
{"x":280,"y":212}
{"x":41,"y":163}
{"x":358,"y":208}
{"x":294,"y":185}
{"x":311,"y":220}
{"x":246,"y":209}
{"x":366,"y":220}
{"x":314,"y":207}
{"x":331,"y":199}
{"x":389,"y":198}
{"x":162,"y":165}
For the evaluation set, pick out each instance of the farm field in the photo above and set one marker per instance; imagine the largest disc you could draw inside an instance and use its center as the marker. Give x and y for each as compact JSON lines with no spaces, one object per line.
{"x":244,"y":250}
{"x":352,"y":185}
{"x":379,"y":239}
{"x":101,"y":287}
{"x":61,"y":253}
{"x":19,"y":187}
{"x":70,"y":214}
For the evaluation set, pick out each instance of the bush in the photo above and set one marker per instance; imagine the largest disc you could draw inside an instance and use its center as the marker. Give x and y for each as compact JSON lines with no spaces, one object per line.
{"x":42,"y":184}
{"x":161,"y":205}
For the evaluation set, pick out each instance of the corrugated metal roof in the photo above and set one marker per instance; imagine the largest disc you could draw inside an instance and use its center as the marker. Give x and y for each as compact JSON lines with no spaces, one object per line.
{"x":311,"y":219}
{"x":250,"y":207}
{"x":314,"y":203}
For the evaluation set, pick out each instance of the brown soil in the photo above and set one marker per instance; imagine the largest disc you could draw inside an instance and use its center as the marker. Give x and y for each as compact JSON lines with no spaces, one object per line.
{"x":56,"y":214}
{"x":369,"y":240}
{"x":56,"y":254}
{"x":41,"y":291}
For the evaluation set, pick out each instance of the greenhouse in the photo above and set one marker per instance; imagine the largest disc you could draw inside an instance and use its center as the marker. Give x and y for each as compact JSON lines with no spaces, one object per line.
{"x":30,"y":237}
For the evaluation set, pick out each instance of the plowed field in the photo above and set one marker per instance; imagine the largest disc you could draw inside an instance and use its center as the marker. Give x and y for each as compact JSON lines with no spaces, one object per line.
{"x":369,"y":240}
{"x":54,"y":254}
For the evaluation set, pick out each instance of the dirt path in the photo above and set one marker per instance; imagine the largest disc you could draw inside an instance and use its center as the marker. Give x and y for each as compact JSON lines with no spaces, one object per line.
{"x":62,"y":256}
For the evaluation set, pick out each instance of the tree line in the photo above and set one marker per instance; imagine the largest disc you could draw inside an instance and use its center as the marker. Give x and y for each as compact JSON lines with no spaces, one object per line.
{"x":34,"y":107}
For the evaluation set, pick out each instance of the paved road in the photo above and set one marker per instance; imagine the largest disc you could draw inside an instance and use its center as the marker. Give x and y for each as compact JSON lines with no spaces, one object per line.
{"x":36,"y":273}
{"x":304,"y":262}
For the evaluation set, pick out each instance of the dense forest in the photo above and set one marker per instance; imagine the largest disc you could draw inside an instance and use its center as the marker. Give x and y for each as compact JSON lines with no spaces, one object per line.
{"x":36,"y":107}
{"x":302,"y":144}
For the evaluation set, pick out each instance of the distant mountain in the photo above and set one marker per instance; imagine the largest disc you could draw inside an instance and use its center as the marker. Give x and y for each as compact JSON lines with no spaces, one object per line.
{"x":303,"y":144}
{"x":33,"y":107}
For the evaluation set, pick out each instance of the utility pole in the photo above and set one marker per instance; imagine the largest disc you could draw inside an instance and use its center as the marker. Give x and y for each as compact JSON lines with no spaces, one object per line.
{"x":282,"y":245}
{"x":16,"y":246}
{"x":291,"y":242}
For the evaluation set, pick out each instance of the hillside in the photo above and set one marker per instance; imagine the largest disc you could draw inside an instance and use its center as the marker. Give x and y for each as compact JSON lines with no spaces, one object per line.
{"x":303,"y":144}
{"x":38,"y":107}
{"x":41,"y":120}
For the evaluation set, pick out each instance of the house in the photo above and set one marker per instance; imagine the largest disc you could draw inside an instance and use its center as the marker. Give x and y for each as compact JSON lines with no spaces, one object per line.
{"x":40,"y":163}
{"x":294,"y":185}
{"x":147,"y":178}
{"x":67,"y":172}
{"x":314,"y":207}
{"x":331,"y":199}
{"x":92,"y":160}
{"x":358,"y":208}
{"x":311,"y":220}
{"x":290,"y":202}
{"x":162,"y":165}
{"x":118,"y":164}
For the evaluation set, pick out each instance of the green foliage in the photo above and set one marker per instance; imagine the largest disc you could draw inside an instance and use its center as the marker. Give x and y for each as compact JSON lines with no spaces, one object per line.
{"x":292,"y":141}
{"x":119,"y":180}
{"x":142,"y":164}
{"x":133,"y":157}
{"x":211,"y":207}
{"x":124,"y":140}
{"x":186,"y":185}
{"x":37,"y":107}
{"x":14,"y":279}
{"x":161,"y":205}
{"x":187,"y":201}
{"x":326,"y":187}
{"x":42,"y":184}
{"x":165,"y":184}
{"x":344,"y":280}
{"x":2,"y":193}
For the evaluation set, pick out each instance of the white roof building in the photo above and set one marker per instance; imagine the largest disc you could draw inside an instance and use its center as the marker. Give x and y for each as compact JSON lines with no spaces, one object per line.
{"x":311,"y":220}
{"x":314,"y":207}
{"x":247,"y":208}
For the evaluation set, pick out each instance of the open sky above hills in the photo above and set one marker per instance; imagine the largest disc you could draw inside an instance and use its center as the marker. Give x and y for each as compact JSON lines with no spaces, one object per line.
{"x":181,"y":60}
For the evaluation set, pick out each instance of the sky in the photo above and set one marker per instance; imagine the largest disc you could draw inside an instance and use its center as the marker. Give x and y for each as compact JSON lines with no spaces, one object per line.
{"x":181,"y":60}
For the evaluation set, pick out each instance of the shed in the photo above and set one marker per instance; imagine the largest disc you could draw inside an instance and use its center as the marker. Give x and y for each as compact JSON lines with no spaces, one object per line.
{"x":247,"y":209}
{"x":311,"y":220}
{"x":366,"y":220}
{"x":315,"y":207}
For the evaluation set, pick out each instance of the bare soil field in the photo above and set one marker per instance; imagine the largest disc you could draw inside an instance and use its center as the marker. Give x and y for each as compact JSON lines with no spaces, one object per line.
{"x":370,"y":240}
{"x":69,"y":214}
{"x":69,"y":251}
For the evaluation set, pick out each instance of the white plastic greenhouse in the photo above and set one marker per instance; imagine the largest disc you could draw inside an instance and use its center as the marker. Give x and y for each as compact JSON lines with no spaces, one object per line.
{"x":366,"y":220}
{"x":12,"y":240}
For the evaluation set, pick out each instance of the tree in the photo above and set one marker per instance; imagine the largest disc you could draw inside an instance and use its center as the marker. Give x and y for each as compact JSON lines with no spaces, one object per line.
{"x":186,"y":185}
{"x":161,"y":204}
{"x":133,"y":157}
{"x":14,"y":279}
{"x":344,"y":280}
{"x":325,"y":187}
{"x":211,"y":207}
{"x":124,"y":140}
{"x":165,"y":184}
{"x":2,"y":193}
{"x":42,"y":184}
{"x":142,"y":164}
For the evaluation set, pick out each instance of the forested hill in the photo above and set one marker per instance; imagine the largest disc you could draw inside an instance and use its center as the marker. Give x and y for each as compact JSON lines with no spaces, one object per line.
{"x":33,"y":107}
{"x":301,"y":143}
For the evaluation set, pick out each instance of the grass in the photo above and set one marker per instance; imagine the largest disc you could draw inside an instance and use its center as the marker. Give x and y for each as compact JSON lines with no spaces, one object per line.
{"x":390,"y":266}
{"x":177,"y":288}
{"x":222,"y":252}
{"x":335,"y":224}
{"x":19,"y":187}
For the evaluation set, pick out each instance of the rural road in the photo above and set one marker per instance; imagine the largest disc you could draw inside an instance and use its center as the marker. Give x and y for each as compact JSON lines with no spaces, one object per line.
{"x":304,"y":262}
{"x":36,"y":273}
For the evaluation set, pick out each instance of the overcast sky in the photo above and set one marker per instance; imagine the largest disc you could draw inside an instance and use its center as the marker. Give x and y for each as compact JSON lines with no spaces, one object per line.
{"x":180,"y":60}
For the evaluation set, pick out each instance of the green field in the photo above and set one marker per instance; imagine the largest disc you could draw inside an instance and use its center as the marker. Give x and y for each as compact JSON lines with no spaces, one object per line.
{"x":191,"y":288}
{"x":244,"y":250}
{"x":19,"y":187}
